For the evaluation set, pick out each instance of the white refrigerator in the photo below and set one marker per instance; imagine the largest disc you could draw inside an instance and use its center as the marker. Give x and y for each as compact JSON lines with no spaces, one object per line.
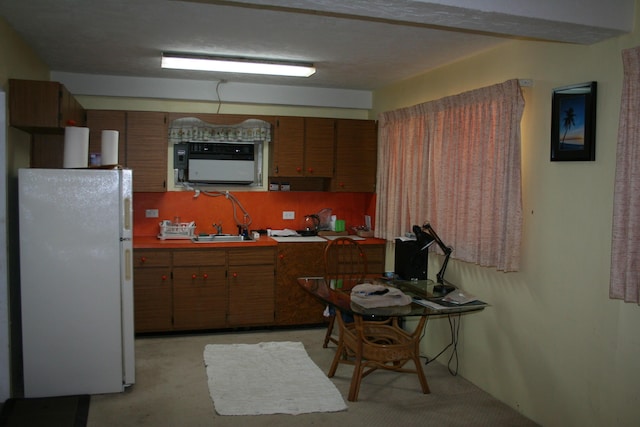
{"x":76,"y":281}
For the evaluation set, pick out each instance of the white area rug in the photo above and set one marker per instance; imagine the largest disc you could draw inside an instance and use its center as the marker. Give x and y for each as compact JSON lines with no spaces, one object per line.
{"x":268,"y":378}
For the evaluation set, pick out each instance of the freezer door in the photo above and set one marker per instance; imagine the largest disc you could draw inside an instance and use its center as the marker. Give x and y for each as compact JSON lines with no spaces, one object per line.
{"x":126,"y":197}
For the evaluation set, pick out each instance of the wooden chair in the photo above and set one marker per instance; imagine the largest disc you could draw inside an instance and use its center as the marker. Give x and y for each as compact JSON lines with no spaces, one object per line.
{"x":345,"y":266}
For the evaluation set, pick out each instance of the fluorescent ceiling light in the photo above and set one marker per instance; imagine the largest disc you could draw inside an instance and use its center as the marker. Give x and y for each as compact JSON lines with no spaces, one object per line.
{"x":236,"y":65}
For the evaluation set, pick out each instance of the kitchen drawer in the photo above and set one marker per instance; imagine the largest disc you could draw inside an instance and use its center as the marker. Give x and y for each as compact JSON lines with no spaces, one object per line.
{"x":151,"y":258}
{"x":199,"y":257}
{"x":251,"y":256}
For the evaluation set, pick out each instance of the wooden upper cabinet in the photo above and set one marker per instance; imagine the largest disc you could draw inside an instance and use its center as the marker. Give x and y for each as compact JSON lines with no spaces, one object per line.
{"x":356,"y":156}
{"x":303,"y":147}
{"x":319,"y":138}
{"x":47,"y":150}
{"x":43,"y":106}
{"x":288,"y":147}
{"x":147,"y":150}
{"x":99,"y":120}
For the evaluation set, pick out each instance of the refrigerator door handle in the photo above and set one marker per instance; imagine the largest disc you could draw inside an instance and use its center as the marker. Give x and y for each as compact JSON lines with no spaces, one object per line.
{"x":127,"y":264}
{"x":127,"y":214}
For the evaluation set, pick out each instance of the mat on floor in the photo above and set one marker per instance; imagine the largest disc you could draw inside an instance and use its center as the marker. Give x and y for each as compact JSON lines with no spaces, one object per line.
{"x":63,"y":411}
{"x":268,"y":378}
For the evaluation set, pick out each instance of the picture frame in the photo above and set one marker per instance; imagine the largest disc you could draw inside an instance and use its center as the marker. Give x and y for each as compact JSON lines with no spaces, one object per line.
{"x":573,"y":123}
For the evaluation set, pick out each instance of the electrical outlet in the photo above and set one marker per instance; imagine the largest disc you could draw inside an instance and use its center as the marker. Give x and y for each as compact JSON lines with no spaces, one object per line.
{"x":151,"y":213}
{"x":288,"y":215}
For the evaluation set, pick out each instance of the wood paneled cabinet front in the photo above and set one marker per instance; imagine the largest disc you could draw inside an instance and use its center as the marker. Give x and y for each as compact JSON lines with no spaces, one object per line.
{"x":147,"y":150}
{"x":303,"y":147}
{"x":152,"y":290}
{"x":251,"y":279}
{"x":142,"y":144}
{"x":43,"y":106}
{"x":356,"y":156}
{"x":294,"y":305}
{"x":199,"y":289}
{"x":99,"y":120}
{"x":375,"y":254}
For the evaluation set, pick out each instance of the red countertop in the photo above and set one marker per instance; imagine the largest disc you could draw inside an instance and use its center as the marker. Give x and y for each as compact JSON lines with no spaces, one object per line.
{"x":152,"y":242}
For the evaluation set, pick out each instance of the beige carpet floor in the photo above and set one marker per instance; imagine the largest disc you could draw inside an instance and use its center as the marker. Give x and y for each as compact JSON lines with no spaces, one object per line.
{"x":171,"y":390}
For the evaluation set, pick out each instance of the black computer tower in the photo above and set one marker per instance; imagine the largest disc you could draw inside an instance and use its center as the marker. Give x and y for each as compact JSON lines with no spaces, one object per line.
{"x":411,"y":259}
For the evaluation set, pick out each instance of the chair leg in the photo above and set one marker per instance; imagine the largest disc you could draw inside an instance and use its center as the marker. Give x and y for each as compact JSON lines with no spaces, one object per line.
{"x":336,"y":359}
{"x":356,"y":379}
{"x":327,"y":336}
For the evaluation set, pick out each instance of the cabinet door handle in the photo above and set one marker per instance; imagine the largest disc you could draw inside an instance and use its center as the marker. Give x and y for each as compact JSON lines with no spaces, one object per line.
{"x":281,"y":256}
{"x":143,"y":259}
{"x":310,"y":170}
{"x":194,"y":276}
{"x":298,"y":169}
{"x":205,"y":276}
{"x":234,"y":274}
{"x":164,"y":277}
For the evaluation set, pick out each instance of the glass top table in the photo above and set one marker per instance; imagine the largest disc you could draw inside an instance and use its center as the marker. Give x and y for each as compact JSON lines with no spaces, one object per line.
{"x":375,"y":338}
{"x":420,"y":289}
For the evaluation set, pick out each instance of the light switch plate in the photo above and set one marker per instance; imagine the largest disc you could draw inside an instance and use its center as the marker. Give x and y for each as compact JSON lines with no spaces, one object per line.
{"x":151,"y":213}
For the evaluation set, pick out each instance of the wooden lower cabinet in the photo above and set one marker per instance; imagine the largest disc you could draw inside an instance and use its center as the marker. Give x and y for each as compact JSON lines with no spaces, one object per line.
{"x":218,"y":288}
{"x":152,"y":290}
{"x":294,"y":305}
{"x":199,"y":289}
{"x":251,"y":286}
{"x":375,"y":258}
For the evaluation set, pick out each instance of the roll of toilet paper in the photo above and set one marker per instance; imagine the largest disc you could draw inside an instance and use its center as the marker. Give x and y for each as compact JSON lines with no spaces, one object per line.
{"x":109,"y":154}
{"x":76,"y":147}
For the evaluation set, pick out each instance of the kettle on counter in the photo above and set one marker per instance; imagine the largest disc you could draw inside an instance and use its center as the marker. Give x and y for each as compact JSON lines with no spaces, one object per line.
{"x":310,"y":225}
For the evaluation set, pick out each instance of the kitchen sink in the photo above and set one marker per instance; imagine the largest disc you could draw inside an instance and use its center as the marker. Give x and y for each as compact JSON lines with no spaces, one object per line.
{"x":213,"y":238}
{"x":298,"y":239}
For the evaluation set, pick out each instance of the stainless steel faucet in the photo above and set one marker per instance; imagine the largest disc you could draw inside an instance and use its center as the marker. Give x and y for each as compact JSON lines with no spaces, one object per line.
{"x":218,"y":228}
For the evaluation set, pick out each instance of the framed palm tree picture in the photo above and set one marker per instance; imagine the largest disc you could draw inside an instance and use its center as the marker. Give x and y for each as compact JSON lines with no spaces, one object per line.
{"x":573,"y":123}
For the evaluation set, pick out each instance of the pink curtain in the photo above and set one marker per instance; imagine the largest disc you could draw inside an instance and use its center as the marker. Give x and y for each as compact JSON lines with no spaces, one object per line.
{"x":625,"y":244}
{"x":455,"y":162}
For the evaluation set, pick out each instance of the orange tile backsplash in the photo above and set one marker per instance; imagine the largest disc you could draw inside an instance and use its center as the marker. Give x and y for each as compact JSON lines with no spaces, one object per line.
{"x":264,"y":208}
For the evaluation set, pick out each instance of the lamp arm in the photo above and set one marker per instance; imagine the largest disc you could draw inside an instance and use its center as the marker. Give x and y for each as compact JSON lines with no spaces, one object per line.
{"x":446,"y":249}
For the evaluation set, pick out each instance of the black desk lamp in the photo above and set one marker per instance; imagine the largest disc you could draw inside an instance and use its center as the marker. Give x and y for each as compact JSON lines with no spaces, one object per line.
{"x":428,"y":235}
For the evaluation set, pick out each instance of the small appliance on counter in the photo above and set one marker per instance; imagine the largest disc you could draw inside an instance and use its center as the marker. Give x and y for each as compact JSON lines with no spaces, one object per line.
{"x":176,"y":230}
{"x":310,"y":225}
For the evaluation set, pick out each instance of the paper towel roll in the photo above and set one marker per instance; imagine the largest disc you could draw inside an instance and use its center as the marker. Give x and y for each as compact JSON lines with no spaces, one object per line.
{"x":76,"y":147}
{"x":109,"y":147}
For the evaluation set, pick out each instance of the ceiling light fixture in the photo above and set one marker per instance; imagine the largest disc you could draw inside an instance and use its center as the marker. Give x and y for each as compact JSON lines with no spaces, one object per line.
{"x":236,"y":65}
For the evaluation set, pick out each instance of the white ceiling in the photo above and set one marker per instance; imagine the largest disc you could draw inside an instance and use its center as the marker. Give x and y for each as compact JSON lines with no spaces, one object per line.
{"x":356,"y":45}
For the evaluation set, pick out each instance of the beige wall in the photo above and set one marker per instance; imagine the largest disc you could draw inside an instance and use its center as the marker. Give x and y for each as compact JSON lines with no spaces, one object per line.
{"x":552,"y":344}
{"x":16,"y":60}
{"x":174,"y":106}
